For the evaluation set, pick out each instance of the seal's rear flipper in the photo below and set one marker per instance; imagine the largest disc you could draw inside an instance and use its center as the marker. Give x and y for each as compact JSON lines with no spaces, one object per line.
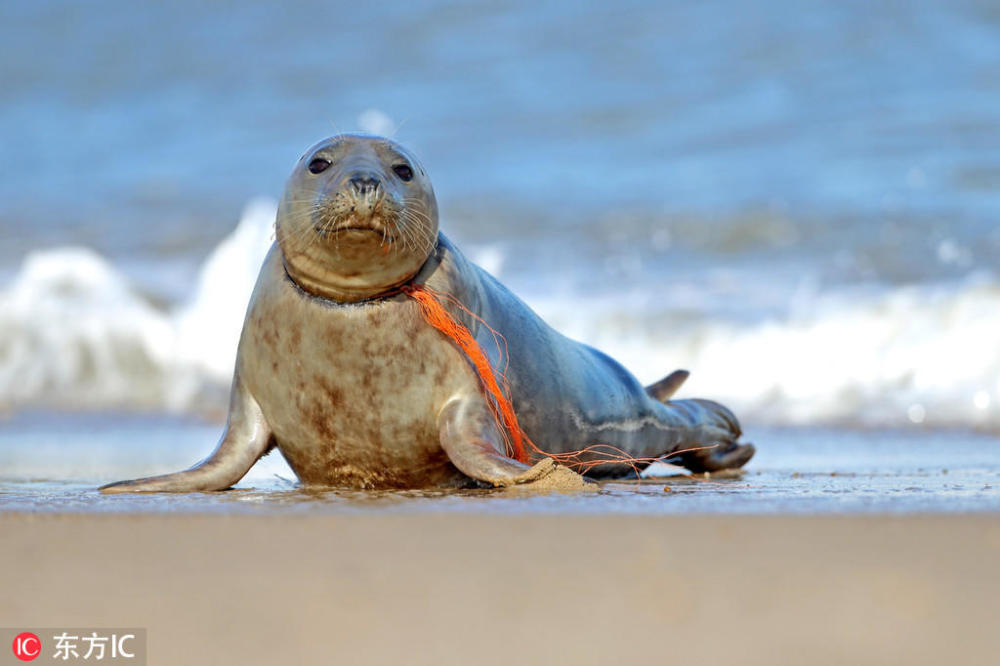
{"x":715,"y":437}
{"x":664,"y":389}
{"x":728,"y":455}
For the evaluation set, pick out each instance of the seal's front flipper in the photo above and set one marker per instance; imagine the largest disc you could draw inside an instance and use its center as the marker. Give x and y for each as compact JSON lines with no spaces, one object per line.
{"x":246,"y":439}
{"x":470,"y":437}
{"x":664,"y":389}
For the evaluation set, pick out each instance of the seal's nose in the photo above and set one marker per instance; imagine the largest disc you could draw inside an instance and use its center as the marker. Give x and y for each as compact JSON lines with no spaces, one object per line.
{"x":365,"y":184}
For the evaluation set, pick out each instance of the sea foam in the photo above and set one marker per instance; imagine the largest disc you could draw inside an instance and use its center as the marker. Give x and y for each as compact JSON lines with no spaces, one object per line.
{"x":75,"y":333}
{"x":927,"y":354}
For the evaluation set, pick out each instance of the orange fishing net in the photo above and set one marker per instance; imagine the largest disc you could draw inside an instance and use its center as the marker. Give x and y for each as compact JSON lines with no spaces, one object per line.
{"x":438,"y":317}
{"x":519,"y":445}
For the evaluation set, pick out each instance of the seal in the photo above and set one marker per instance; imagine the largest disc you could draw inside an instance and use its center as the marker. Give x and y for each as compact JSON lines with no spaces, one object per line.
{"x":340,"y":370}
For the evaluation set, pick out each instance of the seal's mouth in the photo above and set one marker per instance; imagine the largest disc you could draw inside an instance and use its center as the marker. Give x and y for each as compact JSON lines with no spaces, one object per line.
{"x":343,"y":220}
{"x":328,"y":230}
{"x":380,"y":234}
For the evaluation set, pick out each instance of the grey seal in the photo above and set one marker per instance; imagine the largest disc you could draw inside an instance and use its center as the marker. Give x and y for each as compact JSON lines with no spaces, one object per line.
{"x":340,"y":370}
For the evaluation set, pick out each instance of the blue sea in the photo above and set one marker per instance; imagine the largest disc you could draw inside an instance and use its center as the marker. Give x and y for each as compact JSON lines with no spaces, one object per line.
{"x":797,"y":202}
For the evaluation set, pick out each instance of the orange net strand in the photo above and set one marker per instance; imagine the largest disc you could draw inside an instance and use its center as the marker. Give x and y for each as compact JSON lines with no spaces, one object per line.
{"x":438,"y":317}
{"x":516,"y":440}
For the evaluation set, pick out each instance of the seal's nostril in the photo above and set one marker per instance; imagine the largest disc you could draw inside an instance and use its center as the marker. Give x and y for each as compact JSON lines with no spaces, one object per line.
{"x":365,"y":183}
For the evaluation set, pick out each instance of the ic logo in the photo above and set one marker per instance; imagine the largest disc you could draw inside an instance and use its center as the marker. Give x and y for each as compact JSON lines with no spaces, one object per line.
{"x":27,"y":646}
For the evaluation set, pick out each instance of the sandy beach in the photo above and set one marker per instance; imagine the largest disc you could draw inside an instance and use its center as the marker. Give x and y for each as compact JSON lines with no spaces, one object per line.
{"x":446,"y":588}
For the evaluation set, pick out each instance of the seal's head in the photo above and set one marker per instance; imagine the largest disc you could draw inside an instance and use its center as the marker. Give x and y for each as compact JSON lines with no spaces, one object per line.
{"x":358,"y":218}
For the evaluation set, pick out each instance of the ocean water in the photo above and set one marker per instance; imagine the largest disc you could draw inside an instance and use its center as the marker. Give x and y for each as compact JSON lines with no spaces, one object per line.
{"x":798,"y":202}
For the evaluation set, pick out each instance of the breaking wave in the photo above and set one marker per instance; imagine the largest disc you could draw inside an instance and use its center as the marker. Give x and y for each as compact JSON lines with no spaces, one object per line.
{"x":906,"y":356}
{"x":76,"y":333}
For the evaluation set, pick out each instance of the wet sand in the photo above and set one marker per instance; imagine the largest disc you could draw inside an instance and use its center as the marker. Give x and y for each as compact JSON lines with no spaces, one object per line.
{"x":53,"y":463}
{"x":494,"y":589}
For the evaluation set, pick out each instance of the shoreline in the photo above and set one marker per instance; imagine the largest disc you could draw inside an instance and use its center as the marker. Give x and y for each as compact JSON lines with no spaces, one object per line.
{"x":433,"y":588}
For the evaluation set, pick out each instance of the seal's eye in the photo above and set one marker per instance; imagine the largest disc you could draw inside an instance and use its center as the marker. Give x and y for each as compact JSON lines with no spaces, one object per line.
{"x":403,"y":171}
{"x":319,"y":165}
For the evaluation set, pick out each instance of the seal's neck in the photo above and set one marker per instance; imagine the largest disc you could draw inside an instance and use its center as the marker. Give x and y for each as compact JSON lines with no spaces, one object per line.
{"x":316,"y":278}
{"x":313,"y":282}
